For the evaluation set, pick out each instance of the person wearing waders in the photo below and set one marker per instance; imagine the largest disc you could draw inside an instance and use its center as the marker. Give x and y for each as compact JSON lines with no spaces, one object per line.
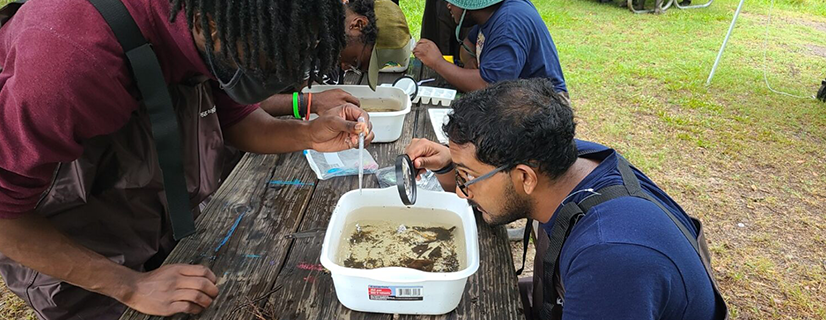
{"x":438,"y":26}
{"x":114,"y":115}
{"x":612,"y":244}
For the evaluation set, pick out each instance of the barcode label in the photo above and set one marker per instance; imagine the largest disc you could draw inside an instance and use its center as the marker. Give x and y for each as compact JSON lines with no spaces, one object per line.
{"x":409,"y":292}
{"x":394,"y":293}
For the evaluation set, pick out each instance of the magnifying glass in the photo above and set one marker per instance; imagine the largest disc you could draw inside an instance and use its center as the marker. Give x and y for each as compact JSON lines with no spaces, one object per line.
{"x":406,"y":179}
{"x":408,"y":85}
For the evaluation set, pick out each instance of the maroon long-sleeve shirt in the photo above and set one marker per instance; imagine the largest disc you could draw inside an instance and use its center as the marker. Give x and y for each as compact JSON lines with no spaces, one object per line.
{"x":64,"y":79}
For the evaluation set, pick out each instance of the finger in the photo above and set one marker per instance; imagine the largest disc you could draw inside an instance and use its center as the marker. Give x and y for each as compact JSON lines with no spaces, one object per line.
{"x":193,"y":296}
{"x":426,"y":162}
{"x":197,"y":271}
{"x":413,"y":143}
{"x":349,"y":98}
{"x":200,"y":284}
{"x":417,"y":152}
{"x":369,"y":138}
{"x":185,"y":307}
{"x":353,"y":113}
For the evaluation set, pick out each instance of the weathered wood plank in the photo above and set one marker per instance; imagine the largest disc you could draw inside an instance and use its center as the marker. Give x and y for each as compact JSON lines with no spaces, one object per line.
{"x":264,"y":196}
{"x":492,"y":292}
{"x":439,"y":81}
{"x":241,"y":237}
{"x":302,"y":290}
{"x":308,"y":292}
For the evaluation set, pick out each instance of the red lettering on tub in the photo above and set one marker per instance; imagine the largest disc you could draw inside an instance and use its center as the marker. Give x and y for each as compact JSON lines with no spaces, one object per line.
{"x":395,"y":293}
{"x":380,"y":291}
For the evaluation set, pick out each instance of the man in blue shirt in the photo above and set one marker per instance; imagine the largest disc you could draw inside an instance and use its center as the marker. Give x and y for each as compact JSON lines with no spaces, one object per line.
{"x":509,"y":41}
{"x":631,"y":253}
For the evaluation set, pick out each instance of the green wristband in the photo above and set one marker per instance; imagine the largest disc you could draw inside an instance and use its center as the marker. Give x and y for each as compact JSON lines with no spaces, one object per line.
{"x":295,"y":105}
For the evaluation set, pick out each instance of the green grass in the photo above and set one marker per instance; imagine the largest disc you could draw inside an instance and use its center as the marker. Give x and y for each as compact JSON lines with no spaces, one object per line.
{"x":11,"y":307}
{"x":730,"y":153}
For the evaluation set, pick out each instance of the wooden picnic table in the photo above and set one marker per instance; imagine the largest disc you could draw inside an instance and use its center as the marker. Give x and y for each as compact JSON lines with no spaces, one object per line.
{"x":244,"y":237}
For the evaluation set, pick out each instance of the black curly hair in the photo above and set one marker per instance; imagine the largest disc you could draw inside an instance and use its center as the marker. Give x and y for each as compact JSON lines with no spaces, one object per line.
{"x":366,"y":8}
{"x":517,"y":122}
{"x":275,"y":37}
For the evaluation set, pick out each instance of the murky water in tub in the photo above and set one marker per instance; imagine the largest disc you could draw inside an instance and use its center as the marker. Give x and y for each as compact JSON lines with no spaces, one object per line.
{"x":380,"y":105}
{"x":421,"y":245}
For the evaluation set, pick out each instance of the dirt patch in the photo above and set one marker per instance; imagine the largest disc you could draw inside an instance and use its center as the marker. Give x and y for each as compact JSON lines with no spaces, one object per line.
{"x":817,"y":50}
{"x":819,"y":26}
{"x":778,"y":20}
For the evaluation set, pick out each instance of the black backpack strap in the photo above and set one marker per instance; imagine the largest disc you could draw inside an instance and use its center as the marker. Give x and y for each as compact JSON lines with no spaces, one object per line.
{"x":526,"y":238}
{"x":152,"y":85}
{"x":566,"y":218}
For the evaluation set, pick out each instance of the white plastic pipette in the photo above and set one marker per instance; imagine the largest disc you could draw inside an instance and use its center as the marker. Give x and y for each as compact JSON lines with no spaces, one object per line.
{"x":361,"y":157}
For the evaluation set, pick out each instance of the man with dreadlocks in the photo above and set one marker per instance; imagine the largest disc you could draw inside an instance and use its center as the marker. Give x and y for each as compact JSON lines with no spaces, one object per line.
{"x":372,"y":44}
{"x":84,"y":217}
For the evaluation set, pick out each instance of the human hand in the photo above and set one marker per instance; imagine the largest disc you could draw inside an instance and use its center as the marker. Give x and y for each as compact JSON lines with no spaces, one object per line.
{"x":427,"y":155}
{"x":338,"y":129}
{"x":427,"y":52}
{"x":326,"y":100}
{"x":171,"y":289}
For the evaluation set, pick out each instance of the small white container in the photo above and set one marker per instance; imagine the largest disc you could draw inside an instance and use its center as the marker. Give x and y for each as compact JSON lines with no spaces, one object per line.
{"x":438,"y":118}
{"x":398,"y":290}
{"x":386,"y":125}
{"x":435,"y":96}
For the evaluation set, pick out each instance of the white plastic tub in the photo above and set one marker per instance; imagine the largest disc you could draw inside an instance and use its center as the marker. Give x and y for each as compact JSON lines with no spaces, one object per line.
{"x":386,"y":125}
{"x":395,"y":289}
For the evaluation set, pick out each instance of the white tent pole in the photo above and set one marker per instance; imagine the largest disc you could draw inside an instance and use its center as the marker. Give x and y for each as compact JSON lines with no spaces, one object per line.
{"x":725,"y":41}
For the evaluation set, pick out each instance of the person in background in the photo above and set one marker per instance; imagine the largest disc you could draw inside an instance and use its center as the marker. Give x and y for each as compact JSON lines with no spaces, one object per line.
{"x":376,"y":36}
{"x":509,"y":41}
{"x":84,"y":219}
{"x":612,"y":244}
{"x":438,"y":26}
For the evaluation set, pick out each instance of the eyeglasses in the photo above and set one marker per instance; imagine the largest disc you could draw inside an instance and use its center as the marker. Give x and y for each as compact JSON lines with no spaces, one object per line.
{"x":464,"y":184}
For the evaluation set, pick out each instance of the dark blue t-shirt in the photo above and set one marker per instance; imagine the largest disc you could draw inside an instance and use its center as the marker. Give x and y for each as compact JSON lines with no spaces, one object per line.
{"x":625,"y":259}
{"x":515,"y":44}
